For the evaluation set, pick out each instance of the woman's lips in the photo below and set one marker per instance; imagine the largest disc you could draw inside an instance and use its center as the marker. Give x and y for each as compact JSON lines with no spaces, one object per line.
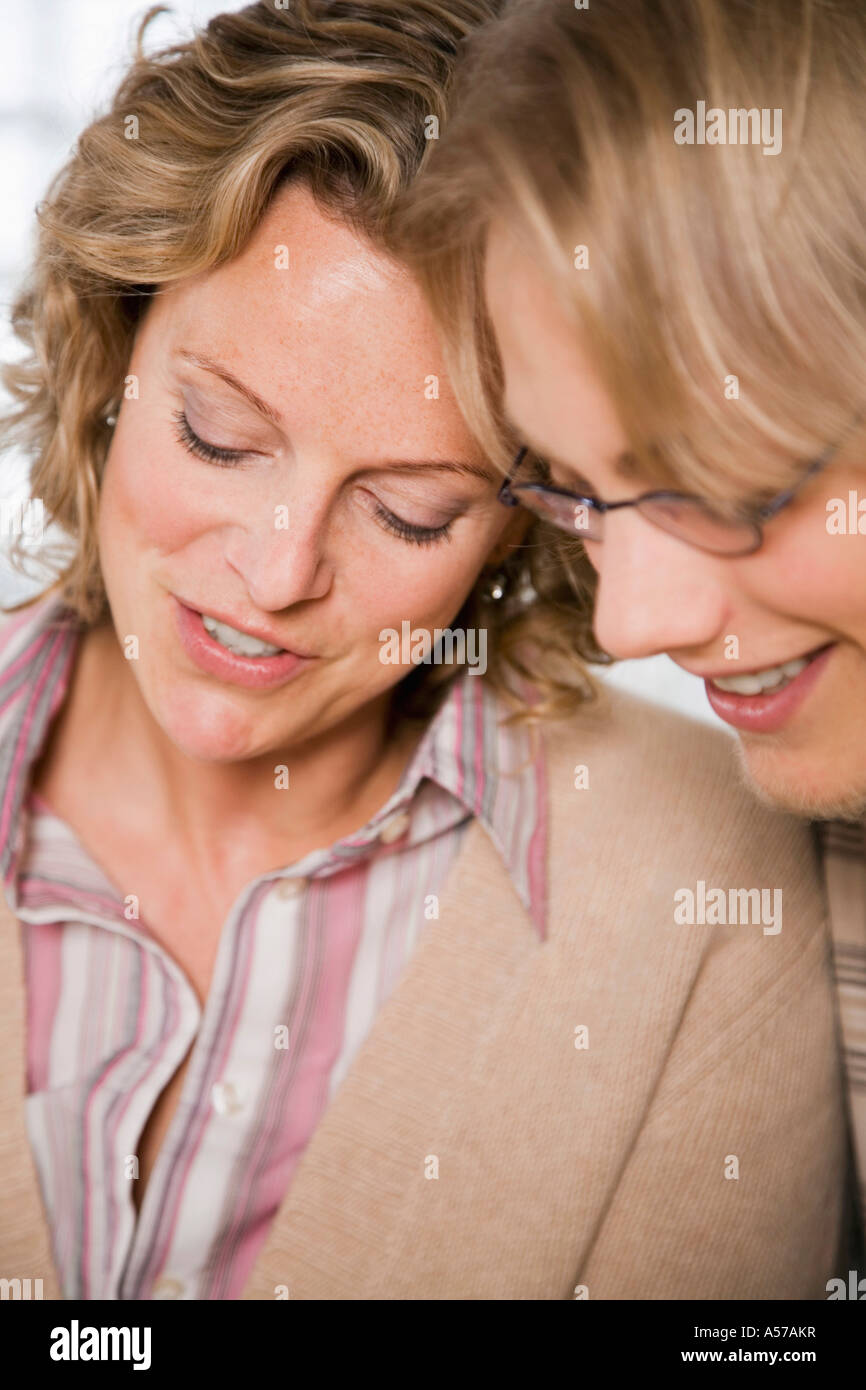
{"x":764,"y":714}
{"x":254,"y":672}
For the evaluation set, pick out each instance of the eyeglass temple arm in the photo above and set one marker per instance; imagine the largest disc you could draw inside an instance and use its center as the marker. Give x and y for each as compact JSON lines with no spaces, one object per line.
{"x":505,"y":494}
{"x":783,"y":498}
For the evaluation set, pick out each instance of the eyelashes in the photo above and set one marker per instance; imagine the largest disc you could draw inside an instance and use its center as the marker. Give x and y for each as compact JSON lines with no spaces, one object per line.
{"x":227,"y":458}
{"x":200,"y":448}
{"x":416,"y":535}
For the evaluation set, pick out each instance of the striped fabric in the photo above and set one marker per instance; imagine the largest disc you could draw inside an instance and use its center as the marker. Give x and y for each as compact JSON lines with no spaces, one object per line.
{"x":843,"y":849}
{"x":306,"y":958}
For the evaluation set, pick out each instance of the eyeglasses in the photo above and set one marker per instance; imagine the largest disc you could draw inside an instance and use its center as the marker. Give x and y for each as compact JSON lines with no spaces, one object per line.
{"x":689,"y":518}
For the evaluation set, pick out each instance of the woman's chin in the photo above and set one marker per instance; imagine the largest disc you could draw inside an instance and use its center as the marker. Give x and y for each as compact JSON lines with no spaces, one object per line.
{"x":207,"y":728}
{"x":821,"y":787}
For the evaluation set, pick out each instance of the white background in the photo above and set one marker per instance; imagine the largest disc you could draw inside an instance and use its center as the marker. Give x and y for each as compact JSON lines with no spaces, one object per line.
{"x":60,"y":60}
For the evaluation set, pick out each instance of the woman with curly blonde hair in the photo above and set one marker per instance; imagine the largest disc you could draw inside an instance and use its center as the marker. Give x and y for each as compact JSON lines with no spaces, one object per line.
{"x":338,"y":940}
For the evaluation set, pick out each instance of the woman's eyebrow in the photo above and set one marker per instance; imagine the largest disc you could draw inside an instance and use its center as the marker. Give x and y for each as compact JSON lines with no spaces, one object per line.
{"x":475,"y":470}
{"x":207,"y":364}
{"x":623,"y":464}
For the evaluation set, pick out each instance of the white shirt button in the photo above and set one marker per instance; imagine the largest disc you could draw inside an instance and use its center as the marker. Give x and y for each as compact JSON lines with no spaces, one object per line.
{"x":290,"y":888}
{"x":225,"y":1098}
{"x":168,"y":1287}
{"x":395,"y":828}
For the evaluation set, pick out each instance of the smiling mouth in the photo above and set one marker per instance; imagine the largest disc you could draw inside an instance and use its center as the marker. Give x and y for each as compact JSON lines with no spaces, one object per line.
{"x":768,"y":681}
{"x":241,"y":643}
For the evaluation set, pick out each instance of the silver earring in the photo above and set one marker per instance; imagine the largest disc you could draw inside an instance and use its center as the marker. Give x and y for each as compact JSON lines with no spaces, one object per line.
{"x":111,"y":420}
{"x":495,"y":588}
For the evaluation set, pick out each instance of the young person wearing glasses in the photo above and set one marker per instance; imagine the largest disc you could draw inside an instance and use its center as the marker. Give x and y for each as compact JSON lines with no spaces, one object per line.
{"x":320,"y":978}
{"x":678,"y":303}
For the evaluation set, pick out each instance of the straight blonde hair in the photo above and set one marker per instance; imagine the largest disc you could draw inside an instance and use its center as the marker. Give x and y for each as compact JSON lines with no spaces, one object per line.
{"x":718,"y":288}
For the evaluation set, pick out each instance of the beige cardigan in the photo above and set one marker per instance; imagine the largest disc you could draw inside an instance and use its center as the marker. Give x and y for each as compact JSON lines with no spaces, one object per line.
{"x":565,"y":1171}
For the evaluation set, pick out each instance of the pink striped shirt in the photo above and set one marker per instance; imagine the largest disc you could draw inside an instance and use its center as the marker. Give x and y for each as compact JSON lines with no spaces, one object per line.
{"x":306,"y":958}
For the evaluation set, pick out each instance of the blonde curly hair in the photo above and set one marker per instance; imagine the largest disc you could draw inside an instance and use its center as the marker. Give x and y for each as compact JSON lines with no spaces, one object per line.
{"x":337,"y":94}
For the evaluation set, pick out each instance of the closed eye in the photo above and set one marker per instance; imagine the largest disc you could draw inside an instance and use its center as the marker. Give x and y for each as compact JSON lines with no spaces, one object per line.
{"x":200,"y":448}
{"x":415,"y":535}
{"x":227,"y":458}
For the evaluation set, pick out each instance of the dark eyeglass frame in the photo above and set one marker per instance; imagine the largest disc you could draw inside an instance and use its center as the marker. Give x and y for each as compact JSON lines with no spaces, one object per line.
{"x":755,"y":518}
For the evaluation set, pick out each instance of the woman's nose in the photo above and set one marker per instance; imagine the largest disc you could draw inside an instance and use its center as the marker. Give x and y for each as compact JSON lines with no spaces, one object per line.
{"x":282,"y":559}
{"x":655,"y":593}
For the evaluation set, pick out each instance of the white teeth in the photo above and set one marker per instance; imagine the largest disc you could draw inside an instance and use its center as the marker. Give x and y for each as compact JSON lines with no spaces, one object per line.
{"x":241,"y":643}
{"x":757,"y":682}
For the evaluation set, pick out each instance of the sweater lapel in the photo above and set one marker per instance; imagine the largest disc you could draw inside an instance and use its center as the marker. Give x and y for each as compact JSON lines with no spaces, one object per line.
{"x":367,"y":1215}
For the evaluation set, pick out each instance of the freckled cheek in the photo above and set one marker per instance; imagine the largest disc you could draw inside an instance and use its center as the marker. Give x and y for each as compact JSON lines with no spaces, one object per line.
{"x":427,"y":588}
{"x":149,"y":505}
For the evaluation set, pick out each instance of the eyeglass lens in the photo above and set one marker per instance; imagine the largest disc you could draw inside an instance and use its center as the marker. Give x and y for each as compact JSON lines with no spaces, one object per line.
{"x":686,"y":518}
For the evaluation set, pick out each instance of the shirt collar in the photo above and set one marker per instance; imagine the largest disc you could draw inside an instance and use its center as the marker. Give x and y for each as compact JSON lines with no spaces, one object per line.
{"x":37,"y":646}
{"x":492,"y":770}
{"x":498,"y":774}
